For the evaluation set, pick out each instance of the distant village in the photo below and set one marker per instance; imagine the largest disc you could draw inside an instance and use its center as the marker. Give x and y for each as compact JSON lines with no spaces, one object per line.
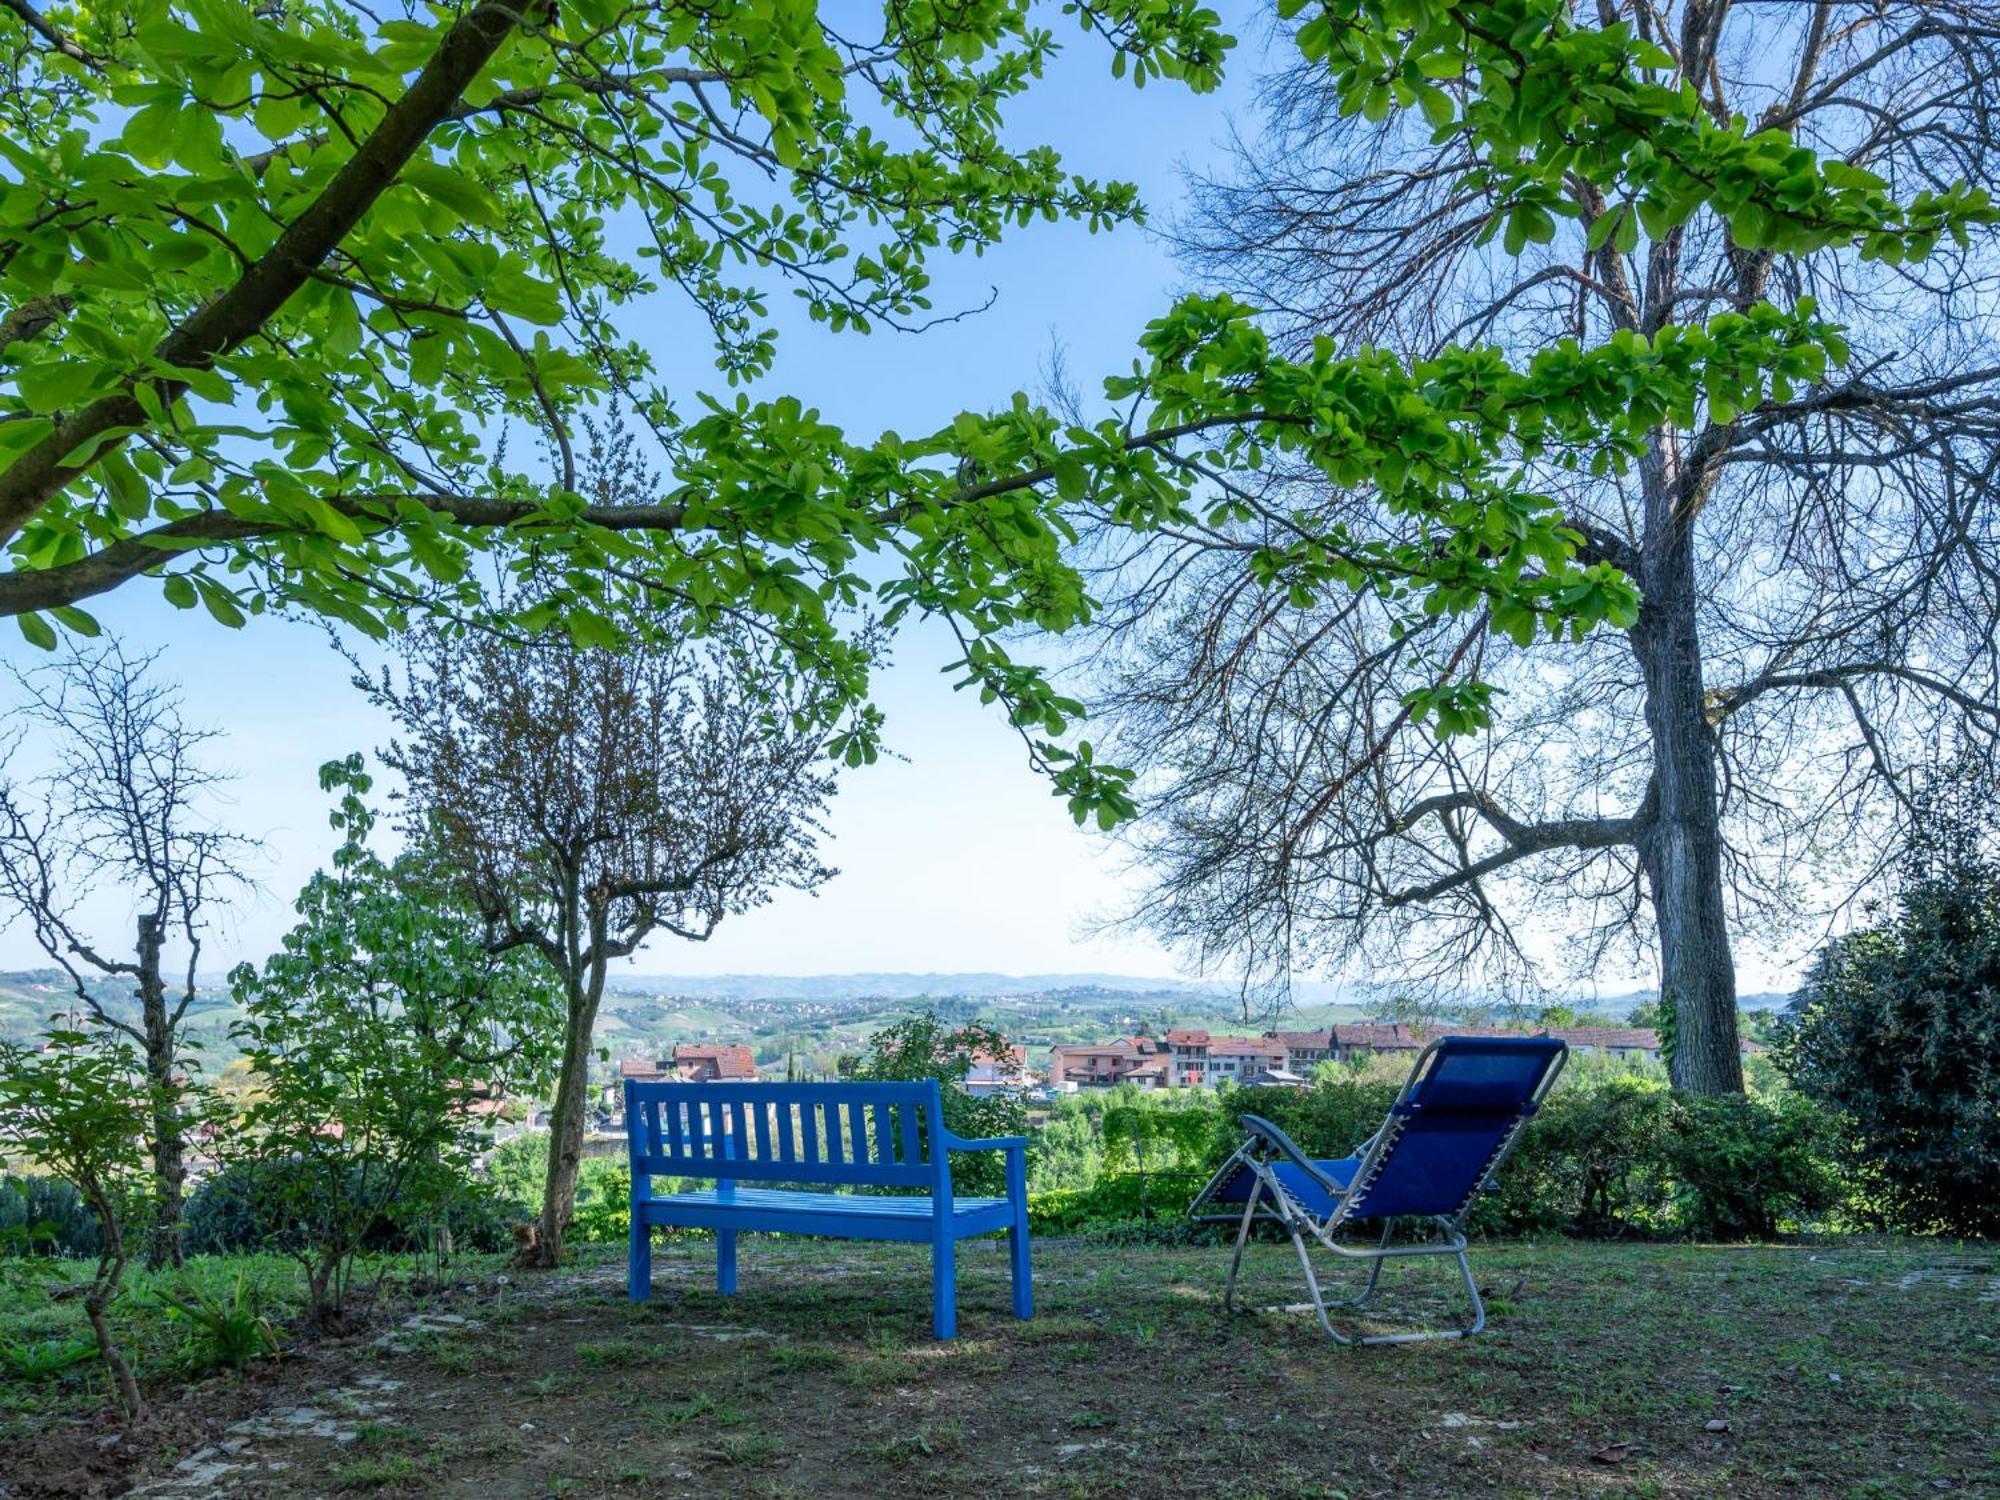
{"x":1180,"y":1058}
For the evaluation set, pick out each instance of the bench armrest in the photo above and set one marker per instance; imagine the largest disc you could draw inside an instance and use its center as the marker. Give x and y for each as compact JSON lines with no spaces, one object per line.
{"x":988,"y":1143}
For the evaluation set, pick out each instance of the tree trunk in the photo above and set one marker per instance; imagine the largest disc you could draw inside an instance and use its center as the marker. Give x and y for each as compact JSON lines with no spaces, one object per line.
{"x":103,"y":1291}
{"x":129,"y":1400}
{"x":163,"y":1244}
{"x":543,"y":1246}
{"x":325,"y":1300}
{"x":1680,"y":850}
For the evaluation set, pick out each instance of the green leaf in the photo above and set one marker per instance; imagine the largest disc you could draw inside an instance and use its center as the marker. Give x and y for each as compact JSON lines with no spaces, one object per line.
{"x":1437,"y":106}
{"x":221,"y":605}
{"x":455,"y":190}
{"x":1626,"y":239}
{"x":427,"y":358}
{"x":59,"y":384}
{"x":38,"y":631}
{"x":1072,"y":478}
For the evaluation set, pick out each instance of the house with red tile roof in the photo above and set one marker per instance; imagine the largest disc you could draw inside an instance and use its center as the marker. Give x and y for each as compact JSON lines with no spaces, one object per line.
{"x":1187,"y":1056}
{"x":1351,"y":1039}
{"x":694,"y":1062}
{"x":998,"y":1072}
{"x":1137,"y":1060}
{"x":1304,"y":1050}
{"x":1237,"y":1059}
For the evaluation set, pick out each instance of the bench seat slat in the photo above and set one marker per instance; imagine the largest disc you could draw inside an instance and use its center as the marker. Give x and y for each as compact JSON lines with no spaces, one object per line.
{"x":834,"y":1214}
{"x":864,"y":1205}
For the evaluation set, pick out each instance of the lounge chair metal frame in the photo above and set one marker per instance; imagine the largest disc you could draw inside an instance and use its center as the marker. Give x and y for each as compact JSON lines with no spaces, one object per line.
{"x":1267,"y":1147}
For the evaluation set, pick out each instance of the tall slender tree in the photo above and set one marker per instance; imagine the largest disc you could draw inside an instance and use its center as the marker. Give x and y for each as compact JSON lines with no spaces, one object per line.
{"x":1816,"y":549}
{"x":123,"y":809}
{"x":584,"y":801}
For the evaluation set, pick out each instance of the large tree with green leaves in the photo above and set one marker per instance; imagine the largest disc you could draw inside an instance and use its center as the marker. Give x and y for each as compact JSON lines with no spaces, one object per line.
{"x":286,"y":295}
{"x":278,"y":282}
{"x":1719,"y":278}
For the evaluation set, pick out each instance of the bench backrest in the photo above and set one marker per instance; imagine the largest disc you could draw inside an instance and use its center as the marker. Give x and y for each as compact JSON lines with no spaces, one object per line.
{"x":846,"y":1134}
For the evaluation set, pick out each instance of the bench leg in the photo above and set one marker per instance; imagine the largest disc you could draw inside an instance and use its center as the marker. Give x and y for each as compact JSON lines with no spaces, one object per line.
{"x":944,"y":1288}
{"x":1024,"y":1282}
{"x":639,"y":1261}
{"x":725,"y":1262}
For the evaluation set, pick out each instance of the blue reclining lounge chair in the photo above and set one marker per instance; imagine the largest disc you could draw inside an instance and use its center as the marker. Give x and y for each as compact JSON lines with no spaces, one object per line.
{"x":1446,"y":1135}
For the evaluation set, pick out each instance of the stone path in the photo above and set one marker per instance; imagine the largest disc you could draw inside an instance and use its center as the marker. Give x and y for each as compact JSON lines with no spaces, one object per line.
{"x":256,"y":1448}
{"x":291,"y":1449}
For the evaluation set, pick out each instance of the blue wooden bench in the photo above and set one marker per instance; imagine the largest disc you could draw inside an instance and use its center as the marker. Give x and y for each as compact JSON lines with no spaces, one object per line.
{"x":869,"y":1136}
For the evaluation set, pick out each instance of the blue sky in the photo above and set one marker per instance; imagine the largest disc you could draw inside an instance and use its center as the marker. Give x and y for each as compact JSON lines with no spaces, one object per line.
{"x":955,"y":857}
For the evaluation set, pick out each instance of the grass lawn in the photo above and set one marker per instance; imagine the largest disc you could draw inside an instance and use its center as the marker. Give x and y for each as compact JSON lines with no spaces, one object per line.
{"x":1866,"y":1369}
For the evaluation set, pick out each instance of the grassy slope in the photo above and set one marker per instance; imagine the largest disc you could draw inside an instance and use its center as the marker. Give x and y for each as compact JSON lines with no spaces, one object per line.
{"x":1859,"y":1370}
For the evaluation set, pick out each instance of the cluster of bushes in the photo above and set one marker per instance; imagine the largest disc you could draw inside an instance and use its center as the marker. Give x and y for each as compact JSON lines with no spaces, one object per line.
{"x":1607,"y":1157}
{"x":45,"y":1216}
{"x":253,"y":1206}
{"x":1897,"y":1025}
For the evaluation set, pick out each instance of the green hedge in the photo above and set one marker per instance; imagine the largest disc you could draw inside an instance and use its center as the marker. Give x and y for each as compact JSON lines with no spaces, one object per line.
{"x":1610,"y":1158}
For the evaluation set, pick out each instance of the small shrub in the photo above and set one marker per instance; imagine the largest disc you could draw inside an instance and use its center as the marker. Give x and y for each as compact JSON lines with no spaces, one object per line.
{"x":1590,"y":1163}
{"x":1327,"y":1120}
{"x":1122,"y":1201}
{"x":240,"y":1208}
{"x":1748,"y":1168}
{"x":375,"y":1031}
{"x":45,"y":1357}
{"x":922,"y":1046}
{"x":229,"y":1329}
{"x":603,"y":1203}
{"x":254,"y":1205}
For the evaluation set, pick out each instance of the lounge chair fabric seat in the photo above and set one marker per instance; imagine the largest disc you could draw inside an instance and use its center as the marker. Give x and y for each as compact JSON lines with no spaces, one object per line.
{"x":1463,"y":1107}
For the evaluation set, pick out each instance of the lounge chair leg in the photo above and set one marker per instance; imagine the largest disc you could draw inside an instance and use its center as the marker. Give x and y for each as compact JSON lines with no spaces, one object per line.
{"x":1242,"y":1239}
{"x":1457,"y":1251}
{"x":1472,"y":1291}
{"x":1375,"y":1271}
{"x":1312,"y":1285}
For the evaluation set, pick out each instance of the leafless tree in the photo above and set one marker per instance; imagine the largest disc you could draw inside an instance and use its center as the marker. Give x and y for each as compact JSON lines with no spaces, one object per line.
{"x":122,"y":806}
{"x":1821,"y":574}
{"x":588,"y":799}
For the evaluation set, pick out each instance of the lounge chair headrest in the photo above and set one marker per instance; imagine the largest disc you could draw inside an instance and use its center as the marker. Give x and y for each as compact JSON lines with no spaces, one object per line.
{"x":1479,"y":1075}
